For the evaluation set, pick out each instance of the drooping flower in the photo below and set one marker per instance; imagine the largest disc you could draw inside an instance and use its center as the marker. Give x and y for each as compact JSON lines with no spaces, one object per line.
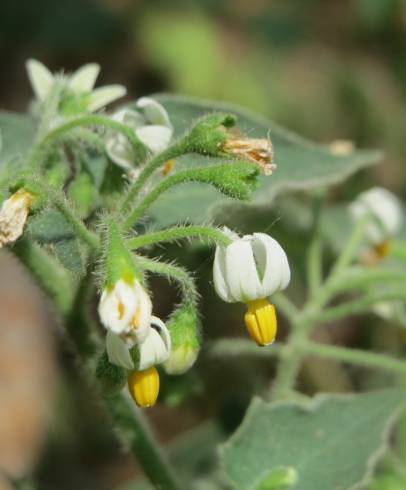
{"x":140,"y":360}
{"x":249,"y":270}
{"x":385,"y":212}
{"x":13,"y":215}
{"x":125,"y":309}
{"x":151,"y":125}
{"x":77,"y":94}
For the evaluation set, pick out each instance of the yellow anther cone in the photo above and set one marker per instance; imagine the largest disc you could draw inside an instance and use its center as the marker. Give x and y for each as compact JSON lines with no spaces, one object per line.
{"x":260,"y":321}
{"x":383,"y":249}
{"x":144,"y":386}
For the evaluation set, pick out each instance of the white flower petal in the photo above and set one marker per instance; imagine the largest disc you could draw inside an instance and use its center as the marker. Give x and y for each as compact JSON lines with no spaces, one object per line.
{"x":130,"y":118}
{"x":156,"y":347}
{"x":220,"y":284}
{"x":154,"y":112}
{"x":241,"y":272}
{"x":120,"y":152}
{"x":84,"y":78}
{"x":117,"y":307}
{"x":142,"y":316}
{"x":104,"y":95}
{"x":385,"y":210}
{"x":40,"y":77}
{"x":272,"y":262}
{"x":118,"y":351}
{"x":156,"y":138}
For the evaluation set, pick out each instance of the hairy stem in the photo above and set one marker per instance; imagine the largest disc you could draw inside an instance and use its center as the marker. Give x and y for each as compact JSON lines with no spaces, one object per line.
{"x":355,"y":356}
{"x":133,"y":429}
{"x":173,"y":234}
{"x":176,"y":273}
{"x":150,"y":167}
{"x":40,"y":150}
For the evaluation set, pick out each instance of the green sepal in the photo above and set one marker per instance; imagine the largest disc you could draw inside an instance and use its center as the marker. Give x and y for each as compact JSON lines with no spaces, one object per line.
{"x":112,"y":378}
{"x":235,"y":179}
{"x":183,"y":327}
{"x":209,"y":134}
{"x":118,"y":263}
{"x":83,"y":193}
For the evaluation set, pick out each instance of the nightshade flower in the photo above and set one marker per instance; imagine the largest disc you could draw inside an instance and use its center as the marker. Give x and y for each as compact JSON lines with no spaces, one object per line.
{"x":151,"y":125}
{"x":125,"y":309}
{"x":143,"y":378}
{"x":385,"y":213}
{"x":13,"y":215}
{"x":249,"y":270}
{"x":77,"y":94}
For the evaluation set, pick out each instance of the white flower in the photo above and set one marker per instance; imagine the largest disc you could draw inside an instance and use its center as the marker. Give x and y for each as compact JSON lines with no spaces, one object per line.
{"x":13,"y":215}
{"x":151,"y":125}
{"x":385,"y":211}
{"x":249,"y":270}
{"x":126,"y":309}
{"x":78,"y":94}
{"x":153,"y":351}
{"x":252,"y":267}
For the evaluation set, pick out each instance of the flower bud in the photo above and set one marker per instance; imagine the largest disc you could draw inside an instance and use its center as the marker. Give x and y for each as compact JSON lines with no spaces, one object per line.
{"x":144,"y":386}
{"x":255,"y":150}
{"x":13,"y":215}
{"x":183,"y":327}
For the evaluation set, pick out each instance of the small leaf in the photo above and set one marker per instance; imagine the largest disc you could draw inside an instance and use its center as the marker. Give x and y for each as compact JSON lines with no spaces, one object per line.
{"x":332,"y":442}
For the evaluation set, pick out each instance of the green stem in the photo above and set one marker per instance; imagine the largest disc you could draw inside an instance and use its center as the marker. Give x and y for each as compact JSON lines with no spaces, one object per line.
{"x":348,"y":252}
{"x":355,"y":356}
{"x":171,"y":152}
{"x":76,"y":223}
{"x":176,"y":179}
{"x":54,"y":280}
{"x":173,"y":234}
{"x":174,"y":272}
{"x":134,"y":430}
{"x":283,"y":303}
{"x":241,"y":347}
{"x":362,"y":305}
{"x":40,"y":150}
{"x":358,"y":277}
{"x":314,"y":253}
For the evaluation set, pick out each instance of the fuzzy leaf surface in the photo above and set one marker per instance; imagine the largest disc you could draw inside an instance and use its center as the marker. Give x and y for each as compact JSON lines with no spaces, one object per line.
{"x":331,"y":442}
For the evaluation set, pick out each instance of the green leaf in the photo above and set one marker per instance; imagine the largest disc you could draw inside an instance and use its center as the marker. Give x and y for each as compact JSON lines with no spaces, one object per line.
{"x":331,"y":442}
{"x":16,"y":135}
{"x":302,"y":165}
{"x":51,"y":229}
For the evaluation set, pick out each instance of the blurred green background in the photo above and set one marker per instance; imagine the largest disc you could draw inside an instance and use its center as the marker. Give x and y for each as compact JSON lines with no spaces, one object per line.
{"x":327,"y":69}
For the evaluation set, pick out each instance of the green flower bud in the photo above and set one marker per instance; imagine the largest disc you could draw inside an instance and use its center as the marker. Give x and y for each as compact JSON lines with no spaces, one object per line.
{"x":83,"y":193}
{"x":209,"y":136}
{"x":183,"y":327}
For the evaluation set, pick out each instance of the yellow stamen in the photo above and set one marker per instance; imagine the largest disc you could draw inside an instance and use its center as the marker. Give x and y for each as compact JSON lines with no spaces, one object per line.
{"x":144,"y":386}
{"x":120,"y":311}
{"x":135,"y":321}
{"x":383,"y":249}
{"x":168,"y":167}
{"x":260,"y":321}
